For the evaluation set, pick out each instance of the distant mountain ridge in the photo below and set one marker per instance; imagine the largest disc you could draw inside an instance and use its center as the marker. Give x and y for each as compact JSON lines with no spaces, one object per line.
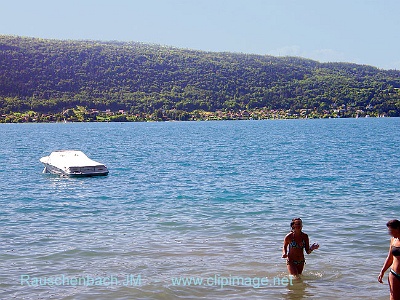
{"x":50,"y":76}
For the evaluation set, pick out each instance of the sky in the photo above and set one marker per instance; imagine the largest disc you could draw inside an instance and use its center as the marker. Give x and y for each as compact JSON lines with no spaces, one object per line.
{"x":357,"y":31}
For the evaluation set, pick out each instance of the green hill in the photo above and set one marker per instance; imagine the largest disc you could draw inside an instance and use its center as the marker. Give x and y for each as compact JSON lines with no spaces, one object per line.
{"x":50,"y":76}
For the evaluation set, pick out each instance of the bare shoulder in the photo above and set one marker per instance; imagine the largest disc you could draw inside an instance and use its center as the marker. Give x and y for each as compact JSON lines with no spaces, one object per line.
{"x":289,"y":235}
{"x":305,"y":235}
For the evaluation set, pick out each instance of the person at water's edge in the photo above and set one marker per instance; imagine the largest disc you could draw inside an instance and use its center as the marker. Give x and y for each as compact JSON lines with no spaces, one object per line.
{"x":294,"y":244}
{"x":393,"y":260}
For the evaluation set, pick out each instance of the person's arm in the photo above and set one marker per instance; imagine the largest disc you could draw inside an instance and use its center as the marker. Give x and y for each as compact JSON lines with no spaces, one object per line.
{"x":309,"y":248}
{"x":387,"y":264}
{"x":285,"y":247}
{"x":307,"y":241}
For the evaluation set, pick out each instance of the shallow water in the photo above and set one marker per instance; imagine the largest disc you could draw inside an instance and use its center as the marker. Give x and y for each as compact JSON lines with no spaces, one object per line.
{"x":199,"y":199}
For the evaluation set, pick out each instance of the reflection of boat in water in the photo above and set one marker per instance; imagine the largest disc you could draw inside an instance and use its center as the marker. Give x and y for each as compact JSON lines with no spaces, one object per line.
{"x":72,"y":163}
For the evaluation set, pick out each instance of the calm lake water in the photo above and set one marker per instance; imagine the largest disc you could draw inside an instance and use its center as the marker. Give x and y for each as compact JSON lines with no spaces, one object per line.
{"x":198,"y":199}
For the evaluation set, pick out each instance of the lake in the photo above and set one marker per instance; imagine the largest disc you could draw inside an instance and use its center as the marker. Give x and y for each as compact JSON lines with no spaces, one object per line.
{"x":206,"y":204}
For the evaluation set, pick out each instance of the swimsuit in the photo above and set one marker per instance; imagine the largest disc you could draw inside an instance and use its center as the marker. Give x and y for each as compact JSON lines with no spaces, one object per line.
{"x":396,"y":252}
{"x":294,"y":244}
{"x":395,"y":274}
{"x":299,"y":262}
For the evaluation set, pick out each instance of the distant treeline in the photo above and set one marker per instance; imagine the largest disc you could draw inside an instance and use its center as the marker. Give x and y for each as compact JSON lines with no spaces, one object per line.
{"x":51,"y":76}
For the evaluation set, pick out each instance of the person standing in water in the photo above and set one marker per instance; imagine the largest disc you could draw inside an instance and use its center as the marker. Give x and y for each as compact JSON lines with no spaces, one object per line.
{"x":297,"y":241}
{"x":393,"y":260}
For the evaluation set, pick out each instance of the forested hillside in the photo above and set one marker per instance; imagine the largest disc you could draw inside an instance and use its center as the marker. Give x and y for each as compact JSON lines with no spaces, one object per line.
{"x":51,"y":76}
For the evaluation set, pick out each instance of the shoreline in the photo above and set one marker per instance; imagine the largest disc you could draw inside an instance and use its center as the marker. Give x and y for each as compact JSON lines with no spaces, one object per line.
{"x":95,"y":116}
{"x":195,"y":120}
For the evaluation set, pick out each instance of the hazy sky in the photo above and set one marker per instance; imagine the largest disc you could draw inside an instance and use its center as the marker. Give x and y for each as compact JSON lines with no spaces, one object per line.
{"x":360,"y":31}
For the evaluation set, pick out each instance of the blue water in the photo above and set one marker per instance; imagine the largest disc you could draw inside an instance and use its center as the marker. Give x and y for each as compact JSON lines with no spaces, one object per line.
{"x":200,"y":199}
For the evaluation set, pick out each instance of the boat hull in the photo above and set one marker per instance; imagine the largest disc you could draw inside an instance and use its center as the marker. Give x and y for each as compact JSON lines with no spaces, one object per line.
{"x":81,"y":173}
{"x":72,"y":164}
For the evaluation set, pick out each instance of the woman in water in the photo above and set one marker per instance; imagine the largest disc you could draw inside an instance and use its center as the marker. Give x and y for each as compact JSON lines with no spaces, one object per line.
{"x":393,"y":260}
{"x":297,"y":241}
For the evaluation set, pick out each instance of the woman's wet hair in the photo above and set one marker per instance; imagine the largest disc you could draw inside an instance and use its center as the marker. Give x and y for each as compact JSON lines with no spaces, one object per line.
{"x":393,"y":224}
{"x":294,"y":220}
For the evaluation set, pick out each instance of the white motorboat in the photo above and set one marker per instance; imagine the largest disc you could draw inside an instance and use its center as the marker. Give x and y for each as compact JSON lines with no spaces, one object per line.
{"x":72,"y":163}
